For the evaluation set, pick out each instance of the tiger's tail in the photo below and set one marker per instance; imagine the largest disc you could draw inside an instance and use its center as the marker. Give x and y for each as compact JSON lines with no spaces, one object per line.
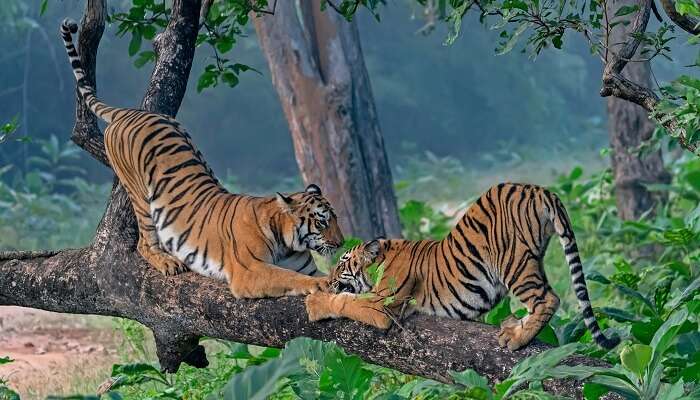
{"x":562,"y":226}
{"x":87,"y":92}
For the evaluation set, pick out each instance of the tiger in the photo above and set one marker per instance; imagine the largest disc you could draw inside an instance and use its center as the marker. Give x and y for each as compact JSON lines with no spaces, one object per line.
{"x":497,"y":247}
{"x":187,"y":221}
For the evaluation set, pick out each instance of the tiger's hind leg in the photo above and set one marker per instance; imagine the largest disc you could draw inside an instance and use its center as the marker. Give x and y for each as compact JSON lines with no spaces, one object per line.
{"x":150,"y":250}
{"x":532,"y":290}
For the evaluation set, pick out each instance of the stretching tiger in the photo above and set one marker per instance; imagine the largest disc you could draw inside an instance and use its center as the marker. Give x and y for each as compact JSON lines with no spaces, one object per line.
{"x":187,"y":220}
{"x":498,"y":246}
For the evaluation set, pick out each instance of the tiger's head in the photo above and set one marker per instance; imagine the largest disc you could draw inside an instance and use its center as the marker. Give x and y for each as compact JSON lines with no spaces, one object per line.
{"x":315,"y":225}
{"x":350,"y":274}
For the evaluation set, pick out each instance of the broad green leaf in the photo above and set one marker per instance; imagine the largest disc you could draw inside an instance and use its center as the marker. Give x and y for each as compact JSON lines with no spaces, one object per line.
{"x":499,"y":313}
{"x":664,"y":337}
{"x":672,"y":392}
{"x":636,"y":358}
{"x":344,"y":377}
{"x":470,"y":378}
{"x":687,"y":293}
{"x":619,"y":315}
{"x":593,"y":391}
{"x":135,"y":43}
{"x":5,"y":360}
{"x":616,"y":384}
{"x":207,"y":79}
{"x":259,"y":381}
{"x":644,"y":330}
{"x":548,"y":335}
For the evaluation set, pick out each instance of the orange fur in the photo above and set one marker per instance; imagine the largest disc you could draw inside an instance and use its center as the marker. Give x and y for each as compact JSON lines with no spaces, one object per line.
{"x":496,"y":248}
{"x":187,"y":220}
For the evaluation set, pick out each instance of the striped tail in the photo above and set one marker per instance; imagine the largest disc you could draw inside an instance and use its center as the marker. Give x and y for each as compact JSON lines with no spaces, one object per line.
{"x":562,"y":226}
{"x":87,"y":92}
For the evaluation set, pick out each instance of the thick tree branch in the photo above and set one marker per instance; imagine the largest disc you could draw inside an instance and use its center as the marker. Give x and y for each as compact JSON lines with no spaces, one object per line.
{"x":86,"y":133}
{"x":182,"y":308}
{"x":686,"y":22}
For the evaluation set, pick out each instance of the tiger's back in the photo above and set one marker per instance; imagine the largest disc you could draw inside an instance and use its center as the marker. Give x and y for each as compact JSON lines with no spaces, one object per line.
{"x":497,"y":247}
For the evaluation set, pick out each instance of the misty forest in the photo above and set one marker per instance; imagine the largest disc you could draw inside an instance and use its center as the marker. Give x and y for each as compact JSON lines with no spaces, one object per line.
{"x":392,"y":117}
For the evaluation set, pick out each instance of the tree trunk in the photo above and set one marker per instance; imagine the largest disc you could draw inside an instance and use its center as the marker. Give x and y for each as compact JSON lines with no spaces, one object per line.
{"x":319,"y":74}
{"x":629,"y":126}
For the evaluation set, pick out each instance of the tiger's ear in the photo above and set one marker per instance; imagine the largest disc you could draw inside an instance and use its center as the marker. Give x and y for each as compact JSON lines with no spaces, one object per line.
{"x":284,"y":201}
{"x":372,"y":248}
{"x":313,"y":189}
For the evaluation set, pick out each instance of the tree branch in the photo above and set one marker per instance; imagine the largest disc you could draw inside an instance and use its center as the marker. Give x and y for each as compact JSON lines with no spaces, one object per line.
{"x":615,"y":84}
{"x":686,"y":22}
{"x":183,"y":308}
{"x":86,"y":133}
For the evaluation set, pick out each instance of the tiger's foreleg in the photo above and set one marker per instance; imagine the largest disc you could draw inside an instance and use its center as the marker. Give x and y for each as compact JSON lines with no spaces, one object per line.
{"x":368,"y":310}
{"x":540,"y":301}
{"x":150,"y":249}
{"x":257,"y":279}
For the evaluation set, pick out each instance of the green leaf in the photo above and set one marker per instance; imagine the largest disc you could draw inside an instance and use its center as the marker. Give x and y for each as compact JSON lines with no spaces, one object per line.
{"x":619,"y":315}
{"x":470,"y":378}
{"x":224,"y":44}
{"x":688,"y":344}
{"x":626,"y":10}
{"x":499,"y":313}
{"x":344,"y":377}
{"x":144,"y":57}
{"x":508,"y":46}
{"x":548,"y":335}
{"x":5,"y":360}
{"x":135,"y":43}
{"x":689,"y":7}
{"x":636,"y":358}
{"x":667,"y":332}
{"x":644,"y":330}
{"x":149,"y":31}
{"x":616,"y":384}
{"x":672,"y":392}
{"x":593,"y":391}
{"x":258,"y":382}
{"x":125,"y":375}
{"x":44,"y":5}
{"x":207,"y":79}
{"x":693,"y":178}
{"x":229,"y":78}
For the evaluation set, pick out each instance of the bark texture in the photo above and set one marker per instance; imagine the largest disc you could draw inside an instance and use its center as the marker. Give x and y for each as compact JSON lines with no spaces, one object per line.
{"x":629,"y":126}
{"x":319,"y":73}
{"x":182,"y":308}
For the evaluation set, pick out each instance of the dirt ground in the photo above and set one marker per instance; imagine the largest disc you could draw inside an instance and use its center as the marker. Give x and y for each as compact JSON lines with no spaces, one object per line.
{"x":55,"y":354}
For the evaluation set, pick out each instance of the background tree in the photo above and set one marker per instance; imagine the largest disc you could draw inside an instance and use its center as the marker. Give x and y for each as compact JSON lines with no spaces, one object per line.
{"x":319,"y":73}
{"x":629,"y":126}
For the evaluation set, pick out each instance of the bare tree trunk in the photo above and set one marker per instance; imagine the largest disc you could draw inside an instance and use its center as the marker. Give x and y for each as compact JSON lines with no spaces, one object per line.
{"x":319,"y":73}
{"x":629,"y":126}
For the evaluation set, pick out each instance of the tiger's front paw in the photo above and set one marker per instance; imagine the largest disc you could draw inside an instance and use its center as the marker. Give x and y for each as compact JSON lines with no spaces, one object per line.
{"x":511,"y":334}
{"x":318,"y":306}
{"x":170,"y":266}
{"x":320,"y":284}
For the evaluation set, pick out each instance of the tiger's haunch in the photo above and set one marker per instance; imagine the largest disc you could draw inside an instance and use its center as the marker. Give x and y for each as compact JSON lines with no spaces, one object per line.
{"x":496,"y":248}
